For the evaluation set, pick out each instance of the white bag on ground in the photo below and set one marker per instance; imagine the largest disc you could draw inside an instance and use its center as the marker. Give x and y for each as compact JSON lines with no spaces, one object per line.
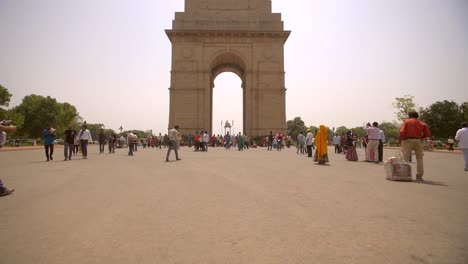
{"x":397,"y":169}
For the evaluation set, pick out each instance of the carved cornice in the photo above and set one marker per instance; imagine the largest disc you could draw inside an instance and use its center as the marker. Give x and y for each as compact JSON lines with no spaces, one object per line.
{"x":201,"y":34}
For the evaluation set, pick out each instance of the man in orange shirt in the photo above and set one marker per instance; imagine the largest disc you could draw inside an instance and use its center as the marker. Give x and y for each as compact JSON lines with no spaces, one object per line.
{"x":411,"y":138}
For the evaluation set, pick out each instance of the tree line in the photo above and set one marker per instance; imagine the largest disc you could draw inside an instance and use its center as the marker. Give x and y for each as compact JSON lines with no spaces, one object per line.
{"x":444,"y":118}
{"x":35,"y":112}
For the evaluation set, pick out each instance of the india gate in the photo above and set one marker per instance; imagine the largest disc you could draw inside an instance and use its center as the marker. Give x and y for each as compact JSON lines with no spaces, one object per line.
{"x":239,"y":36}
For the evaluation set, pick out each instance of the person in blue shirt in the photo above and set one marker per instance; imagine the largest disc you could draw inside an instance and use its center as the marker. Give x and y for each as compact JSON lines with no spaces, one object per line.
{"x":49,"y":134}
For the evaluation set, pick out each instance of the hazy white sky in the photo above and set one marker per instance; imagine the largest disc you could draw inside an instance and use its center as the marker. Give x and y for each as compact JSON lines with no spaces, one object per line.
{"x":346,"y":61}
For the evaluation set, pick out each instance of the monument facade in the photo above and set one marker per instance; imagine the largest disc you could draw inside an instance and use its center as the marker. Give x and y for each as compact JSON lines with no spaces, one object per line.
{"x":239,"y":36}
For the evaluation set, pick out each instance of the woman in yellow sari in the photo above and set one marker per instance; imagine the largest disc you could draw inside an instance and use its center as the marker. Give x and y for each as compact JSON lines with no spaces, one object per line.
{"x":321,"y":140}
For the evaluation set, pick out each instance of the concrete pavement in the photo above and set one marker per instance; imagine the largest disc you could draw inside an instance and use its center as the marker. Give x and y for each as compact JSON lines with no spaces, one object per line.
{"x":223,"y":206}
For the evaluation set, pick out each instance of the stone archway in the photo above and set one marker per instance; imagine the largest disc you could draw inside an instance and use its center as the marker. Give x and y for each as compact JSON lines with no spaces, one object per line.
{"x":216,"y":36}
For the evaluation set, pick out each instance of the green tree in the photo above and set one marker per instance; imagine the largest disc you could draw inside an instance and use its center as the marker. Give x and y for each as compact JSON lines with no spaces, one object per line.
{"x":404,"y":105}
{"x":341,"y":130}
{"x":295,"y":127}
{"x":66,"y":117}
{"x":5,"y":96}
{"x":359,"y":132}
{"x":39,"y":111}
{"x":443,"y":118}
{"x":391,"y":130}
{"x":313,"y":129}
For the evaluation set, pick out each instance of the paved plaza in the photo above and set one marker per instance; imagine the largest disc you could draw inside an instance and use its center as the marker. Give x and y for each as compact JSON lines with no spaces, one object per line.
{"x":225,"y":207}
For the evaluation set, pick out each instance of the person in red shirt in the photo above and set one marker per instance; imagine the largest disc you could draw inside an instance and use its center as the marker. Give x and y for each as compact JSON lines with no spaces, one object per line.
{"x":196,"y":139}
{"x":411,"y":138}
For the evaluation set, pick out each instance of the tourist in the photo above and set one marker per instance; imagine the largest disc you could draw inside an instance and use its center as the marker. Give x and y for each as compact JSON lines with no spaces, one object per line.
{"x":309,"y":141}
{"x":5,"y":126}
{"x":85,"y":137}
{"x":279,"y":142}
{"x":462,"y":139}
{"x":132,"y":139}
{"x":76,"y":143}
{"x":206,"y":140}
{"x":102,"y":141}
{"x":288,"y":141}
{"x":450,"y":143}
{"x":301,"y":143}
{"x":270,"y":141}
{"x":337,"y":142}
{"x":173,"y":139}
{"x":373,"y":133}
{"x":246,"y":141}
{"x":2,"y":138}
{"x":196,"y":138}
{"x":321,"y":139}
{"x":381,"y":143}
{"x":48,"y":135}
{"x":135,"y":142}
{"x":227,"y":141}
{"x":70,"y":135}
{"x":412,"y":133}
{"x":240,"y":142}
{"x":351,"y":153}
{"x":112,"y":139}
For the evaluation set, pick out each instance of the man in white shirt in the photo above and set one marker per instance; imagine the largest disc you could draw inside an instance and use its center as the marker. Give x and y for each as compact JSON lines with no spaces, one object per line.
{"x":462,"y":139}
{"x":206,"y":140}
{"x":173,"y":139}
{"x":374,"y":139}
{"x":84,"y":137}
{"x":309,"y":142}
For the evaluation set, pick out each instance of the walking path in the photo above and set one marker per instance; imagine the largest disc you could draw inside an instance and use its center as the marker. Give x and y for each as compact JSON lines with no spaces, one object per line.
{"x":255,"y":206}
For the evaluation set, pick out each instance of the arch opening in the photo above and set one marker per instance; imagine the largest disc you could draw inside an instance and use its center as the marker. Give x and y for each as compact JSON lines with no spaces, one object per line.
{"x":227,"y":103}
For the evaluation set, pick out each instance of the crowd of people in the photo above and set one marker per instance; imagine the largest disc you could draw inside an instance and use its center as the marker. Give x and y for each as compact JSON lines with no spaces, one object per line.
{"x":313,"y":143}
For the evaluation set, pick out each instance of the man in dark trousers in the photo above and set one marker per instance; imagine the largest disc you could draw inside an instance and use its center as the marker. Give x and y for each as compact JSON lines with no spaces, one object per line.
{"x":70,"y":135}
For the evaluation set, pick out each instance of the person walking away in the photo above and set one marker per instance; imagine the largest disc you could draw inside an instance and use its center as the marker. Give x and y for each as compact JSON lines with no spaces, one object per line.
{"x":381,"y":142}
{"x":336,"y":143}
{"x":69,"y":143}
{"x":321,"y":140}
{"x":450,"y":143}
{"x":300,"y":143}
{"x":462,"y":139}
{"x":84,"y":137}
{"x":374,"y":138}
{"x":173,"y":143}
{"x":102,"y":141}
{"x":49,"y":134}
{"x":309,"y":141}
{"x":412,"y":133}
